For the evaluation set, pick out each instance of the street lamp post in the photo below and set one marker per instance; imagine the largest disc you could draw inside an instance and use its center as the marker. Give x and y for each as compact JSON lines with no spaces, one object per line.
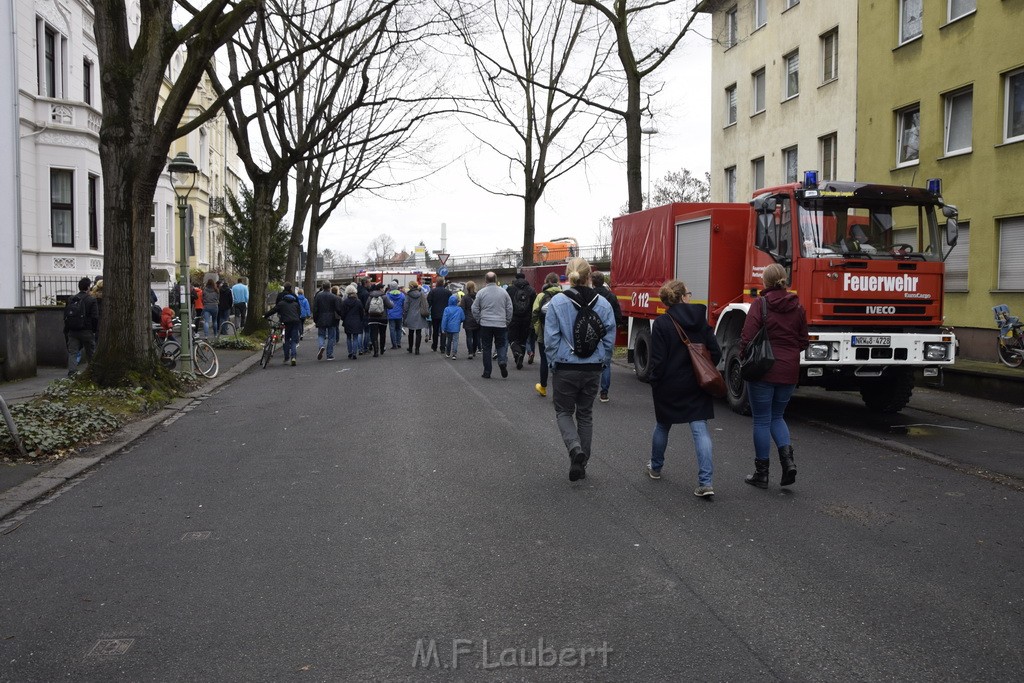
{"x":649,"y":131}
{"x":183,"y":177}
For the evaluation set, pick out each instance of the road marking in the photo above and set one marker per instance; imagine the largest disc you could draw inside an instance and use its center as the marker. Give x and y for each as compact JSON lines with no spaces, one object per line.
{"x":196,"y":536}
{"x":111,"y":647}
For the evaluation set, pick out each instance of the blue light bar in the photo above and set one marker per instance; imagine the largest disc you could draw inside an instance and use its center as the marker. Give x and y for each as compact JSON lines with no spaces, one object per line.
{"x":935,"y":185}
{"x":810,"y":179}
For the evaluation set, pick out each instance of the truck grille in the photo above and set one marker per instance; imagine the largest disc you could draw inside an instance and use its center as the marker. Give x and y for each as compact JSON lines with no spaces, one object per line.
{"x":918,"y":310}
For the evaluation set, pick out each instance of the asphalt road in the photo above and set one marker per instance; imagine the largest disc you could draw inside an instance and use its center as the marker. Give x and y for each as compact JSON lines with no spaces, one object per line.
{"x":333,"y":520}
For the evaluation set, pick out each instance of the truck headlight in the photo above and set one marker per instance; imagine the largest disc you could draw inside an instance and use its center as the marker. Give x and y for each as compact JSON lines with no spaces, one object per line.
{"x":936,"y":351}
{"x":818,"y":351}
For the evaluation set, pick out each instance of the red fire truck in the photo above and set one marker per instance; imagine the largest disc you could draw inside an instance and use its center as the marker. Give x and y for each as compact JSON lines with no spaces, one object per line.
{"x":865,"y":259}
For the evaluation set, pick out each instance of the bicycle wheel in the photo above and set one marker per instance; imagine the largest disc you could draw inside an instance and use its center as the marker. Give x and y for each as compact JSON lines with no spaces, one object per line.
{"x":227,"y":327}
{"x":169,"y":352}
{"x":1007,"y":356}
{"x":268,"y":353}
{"x":205,"y":359}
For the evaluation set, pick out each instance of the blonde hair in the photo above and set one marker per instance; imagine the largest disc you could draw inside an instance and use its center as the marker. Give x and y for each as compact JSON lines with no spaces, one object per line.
{"x":578,"y":271}
{"x":774,"y":276}
{"x":412,"y":285}
{"x":471,"y":287}
{"x":672,"y":292}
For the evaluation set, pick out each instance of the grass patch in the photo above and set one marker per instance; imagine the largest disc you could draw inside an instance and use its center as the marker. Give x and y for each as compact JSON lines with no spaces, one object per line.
{"x":250,"y":343}
{"x":74,"y":412}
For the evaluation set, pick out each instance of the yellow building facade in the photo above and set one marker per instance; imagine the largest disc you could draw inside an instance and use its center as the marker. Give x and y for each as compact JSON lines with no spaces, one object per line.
{"x":941,"y":95}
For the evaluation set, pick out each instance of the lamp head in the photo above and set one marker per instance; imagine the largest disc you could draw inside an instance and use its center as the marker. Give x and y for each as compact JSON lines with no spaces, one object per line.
{"x":183,"y":174}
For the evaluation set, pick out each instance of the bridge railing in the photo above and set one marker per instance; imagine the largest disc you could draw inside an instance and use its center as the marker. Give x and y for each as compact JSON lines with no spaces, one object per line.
{"x":499,"y":260}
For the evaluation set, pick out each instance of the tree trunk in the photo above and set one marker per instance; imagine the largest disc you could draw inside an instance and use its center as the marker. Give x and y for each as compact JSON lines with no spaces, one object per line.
{"x":634,"y":159}
{"x":266,"y":221}
{"x":529,"y":224}
{"x":309,"y":282}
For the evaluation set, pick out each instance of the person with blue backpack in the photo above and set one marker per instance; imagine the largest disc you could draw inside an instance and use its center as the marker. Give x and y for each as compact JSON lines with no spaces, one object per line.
{"x":579,"y":333}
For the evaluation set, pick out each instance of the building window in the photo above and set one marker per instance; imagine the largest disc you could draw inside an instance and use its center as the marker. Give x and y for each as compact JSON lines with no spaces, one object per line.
{"x":790,"y":165}
{"x":827,"y":143}
{"x":757,"y":173}
{"x":152,"y":231}
{"x":1014,"y":106}
{"x":1011,"y":254}
{"x":87,"y":81}
{"x":52,"y":48}
{"x":830,"y":56}
{"x":960,"y":8}
{"x":730,"y":184}
{"x":94,"y":220}
{"x":760,"y":13}
{"x":956,"y":262}
{"x":204,"y":151}
{"x":62,"y":215}
{"x":792,"y":3}
{"x":758,"y":89}
{"x":730,"y":105}
{"x":169,"y":222}
{"x":959,"y":116}
{"x":731,"y":28}
{"x":910,"y":19}
{"x":204,"y":249}
{"x":908,"y":135}
{"x":792,"y":87}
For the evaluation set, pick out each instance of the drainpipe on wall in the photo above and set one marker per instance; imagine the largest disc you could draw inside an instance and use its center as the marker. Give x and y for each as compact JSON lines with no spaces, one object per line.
{"x":16,"y":150}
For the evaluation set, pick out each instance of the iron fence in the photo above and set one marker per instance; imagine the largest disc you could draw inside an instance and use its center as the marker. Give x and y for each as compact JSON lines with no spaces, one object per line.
{"x":55,"y":290}
{"x":499,"y":260}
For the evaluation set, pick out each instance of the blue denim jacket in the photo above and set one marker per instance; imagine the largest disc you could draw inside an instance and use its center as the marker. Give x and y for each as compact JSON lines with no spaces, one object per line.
{"x":558,"y":329}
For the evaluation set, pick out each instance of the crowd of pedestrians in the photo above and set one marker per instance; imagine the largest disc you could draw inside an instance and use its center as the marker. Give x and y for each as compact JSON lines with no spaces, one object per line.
{"x":572,"y":323}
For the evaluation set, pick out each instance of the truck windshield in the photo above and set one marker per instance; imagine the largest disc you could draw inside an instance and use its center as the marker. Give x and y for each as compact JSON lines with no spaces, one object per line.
{"x":877,"y":231}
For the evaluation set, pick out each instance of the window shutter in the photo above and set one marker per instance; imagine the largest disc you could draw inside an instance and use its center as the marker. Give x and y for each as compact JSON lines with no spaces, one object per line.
{"x":956,"y":263}
{"x":1011,"y":253}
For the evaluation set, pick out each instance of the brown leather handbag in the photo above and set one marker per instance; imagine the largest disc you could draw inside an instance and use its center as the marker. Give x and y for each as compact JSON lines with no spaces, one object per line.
{"x":708,"y":377}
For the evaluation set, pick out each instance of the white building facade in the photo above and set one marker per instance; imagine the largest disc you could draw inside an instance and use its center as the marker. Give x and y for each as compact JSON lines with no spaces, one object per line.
{"x":784,"y":93}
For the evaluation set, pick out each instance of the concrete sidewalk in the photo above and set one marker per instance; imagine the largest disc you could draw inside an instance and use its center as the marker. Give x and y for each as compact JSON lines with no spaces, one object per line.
{"x":21,"y":483}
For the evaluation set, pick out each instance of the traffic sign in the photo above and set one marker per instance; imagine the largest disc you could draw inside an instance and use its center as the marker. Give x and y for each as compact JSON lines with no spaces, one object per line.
{"x":442,"y":271}
{"x":442,"y":256}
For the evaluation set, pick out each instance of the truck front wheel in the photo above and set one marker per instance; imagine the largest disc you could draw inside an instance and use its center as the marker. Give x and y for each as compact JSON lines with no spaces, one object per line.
{"x":736,"y":388}
{"x":889,"y":393}
{"x":642,"y":354}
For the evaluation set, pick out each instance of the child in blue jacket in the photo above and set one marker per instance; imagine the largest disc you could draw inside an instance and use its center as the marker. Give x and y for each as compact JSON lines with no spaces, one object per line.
{"x":451,"y":321}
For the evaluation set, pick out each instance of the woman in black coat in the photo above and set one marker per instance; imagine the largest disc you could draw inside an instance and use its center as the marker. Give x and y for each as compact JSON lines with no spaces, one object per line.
{"x":677,"y":396}
{"x":352,"y":320}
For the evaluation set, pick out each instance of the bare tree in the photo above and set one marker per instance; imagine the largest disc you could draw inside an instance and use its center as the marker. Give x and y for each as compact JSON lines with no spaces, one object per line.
{"x":134,"y":143}
{"x":536,"y":62}
{"x":331,"y":47}
{"x":380,"y":249}
{"x":639,"y":61}
{"x":681,"y":186}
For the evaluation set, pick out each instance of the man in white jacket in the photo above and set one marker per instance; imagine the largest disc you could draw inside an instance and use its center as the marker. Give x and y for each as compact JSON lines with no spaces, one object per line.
{"x":492,"y":308}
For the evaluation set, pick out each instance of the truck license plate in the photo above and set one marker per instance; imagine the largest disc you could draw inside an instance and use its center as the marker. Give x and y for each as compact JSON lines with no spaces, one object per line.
{"x":868,"y":340}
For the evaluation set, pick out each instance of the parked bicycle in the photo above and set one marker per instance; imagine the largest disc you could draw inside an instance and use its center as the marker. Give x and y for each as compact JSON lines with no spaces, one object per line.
{"x":1011,"y":336}
{"x":274,"y":338}
{"x":204,"y":358}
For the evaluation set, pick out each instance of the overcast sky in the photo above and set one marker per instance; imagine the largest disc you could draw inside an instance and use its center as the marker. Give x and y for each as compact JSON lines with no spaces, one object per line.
{"x":573,"y":206}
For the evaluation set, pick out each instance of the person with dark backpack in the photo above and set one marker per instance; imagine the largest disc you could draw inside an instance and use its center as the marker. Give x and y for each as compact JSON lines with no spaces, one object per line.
{"x":377,"y":305}
{"x":522,"y":296}
{"x":606,"y":372}
{"x":579,"y":332}
{"x":437,"y":300}
{"x":81,"y":323}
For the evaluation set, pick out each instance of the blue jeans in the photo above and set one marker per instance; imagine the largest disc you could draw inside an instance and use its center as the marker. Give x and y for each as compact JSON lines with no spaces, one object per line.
{"x":701,"y":444}
{"x":210,"y":319}
{"x":498,"y":336}
{"x":291,"y":338}
{"x":450,"y":343}
{"x":354,"y":342}
{"x":395,"y":325}
{"x":327,"y":337}
{"x":767,"y":407}
{"x":472,"y":340}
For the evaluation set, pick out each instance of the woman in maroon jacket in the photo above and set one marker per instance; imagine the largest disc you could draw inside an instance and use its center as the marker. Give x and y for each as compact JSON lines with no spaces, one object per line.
{"x":787,"y":330}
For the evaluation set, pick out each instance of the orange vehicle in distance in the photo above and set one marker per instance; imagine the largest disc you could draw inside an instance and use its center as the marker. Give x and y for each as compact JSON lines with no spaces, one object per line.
{"x":560,"y":249}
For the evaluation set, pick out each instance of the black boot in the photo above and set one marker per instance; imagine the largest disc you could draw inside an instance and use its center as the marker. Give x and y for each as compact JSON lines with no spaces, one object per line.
{"x":760,"y":476}
{"x":788,"y":466}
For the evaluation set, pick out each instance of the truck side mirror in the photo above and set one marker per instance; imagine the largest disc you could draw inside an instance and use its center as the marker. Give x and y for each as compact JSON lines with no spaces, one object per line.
{"x":765,"y":204}
{"x":952,"y":227}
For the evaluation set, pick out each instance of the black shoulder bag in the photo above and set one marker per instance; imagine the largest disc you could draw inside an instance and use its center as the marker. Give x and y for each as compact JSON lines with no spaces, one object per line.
{"x":758,"y":358}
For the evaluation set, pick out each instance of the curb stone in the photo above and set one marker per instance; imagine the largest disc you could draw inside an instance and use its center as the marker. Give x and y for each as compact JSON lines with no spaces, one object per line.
{"x":42,"y":484}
